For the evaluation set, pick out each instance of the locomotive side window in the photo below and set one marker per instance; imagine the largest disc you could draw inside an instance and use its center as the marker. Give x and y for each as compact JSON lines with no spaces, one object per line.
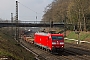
{"x":57,"y":38}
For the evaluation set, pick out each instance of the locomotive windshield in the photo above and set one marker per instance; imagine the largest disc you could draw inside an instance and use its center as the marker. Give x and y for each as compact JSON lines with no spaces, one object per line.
{"x":57,"y":38}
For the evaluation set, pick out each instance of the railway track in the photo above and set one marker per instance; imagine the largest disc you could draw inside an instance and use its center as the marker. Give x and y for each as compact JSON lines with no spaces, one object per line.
{"x":77,"y":55}
{"x":30,"y":49}
{"x":81,"y":46}
{"x":70,"y":53}
{"x":79,"y":52}
{"x":37,"y":57}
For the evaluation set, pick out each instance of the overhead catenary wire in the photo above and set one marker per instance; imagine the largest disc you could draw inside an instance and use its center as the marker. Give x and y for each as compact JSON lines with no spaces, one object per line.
{"x":28,"y":8}
{"x":38,"y":15}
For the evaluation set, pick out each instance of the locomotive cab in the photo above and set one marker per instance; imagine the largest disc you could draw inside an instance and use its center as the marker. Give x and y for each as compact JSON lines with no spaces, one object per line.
{"x":57,"y":42}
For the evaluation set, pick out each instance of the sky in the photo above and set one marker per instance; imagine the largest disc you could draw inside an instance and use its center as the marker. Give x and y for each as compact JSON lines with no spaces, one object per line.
{"x":27,"y":9}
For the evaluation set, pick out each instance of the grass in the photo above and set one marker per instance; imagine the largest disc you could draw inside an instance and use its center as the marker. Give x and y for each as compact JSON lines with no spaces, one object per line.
{"x":9,"y":47}
{"x":82,"y":35}
{"x":72,"y":35}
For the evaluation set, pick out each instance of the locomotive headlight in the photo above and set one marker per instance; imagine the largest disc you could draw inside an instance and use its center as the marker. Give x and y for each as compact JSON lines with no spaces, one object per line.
{"x":62,"y":46}
{"x":53,"y":42}
{"x":61,"y":43}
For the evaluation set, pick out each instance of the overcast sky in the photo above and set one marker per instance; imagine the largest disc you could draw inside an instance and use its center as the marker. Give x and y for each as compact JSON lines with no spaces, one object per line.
{"x":27,"y":9}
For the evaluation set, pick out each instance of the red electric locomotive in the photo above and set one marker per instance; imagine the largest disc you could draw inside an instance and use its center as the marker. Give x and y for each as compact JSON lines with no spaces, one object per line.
{"x":52,"y":42}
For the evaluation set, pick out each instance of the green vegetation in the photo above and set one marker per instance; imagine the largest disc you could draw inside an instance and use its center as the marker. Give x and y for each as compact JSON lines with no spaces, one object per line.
{"x":82,"y":35}
{"x":76,"y":12}
{"x":10,"y":48}
{"x":72,"y":35}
